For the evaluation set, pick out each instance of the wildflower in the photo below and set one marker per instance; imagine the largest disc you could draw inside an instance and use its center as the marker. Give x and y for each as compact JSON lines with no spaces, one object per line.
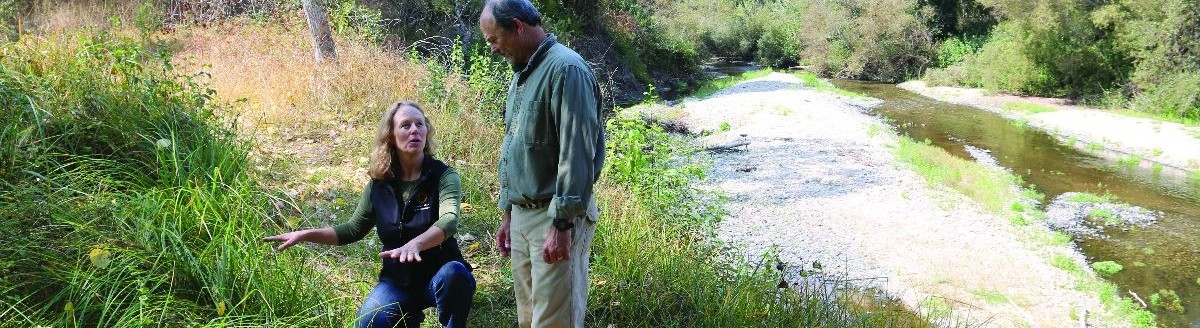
{"x":100,"y":257}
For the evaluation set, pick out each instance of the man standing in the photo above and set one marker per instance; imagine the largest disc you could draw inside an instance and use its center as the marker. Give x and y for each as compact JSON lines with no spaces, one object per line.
{"x":552,"y":155}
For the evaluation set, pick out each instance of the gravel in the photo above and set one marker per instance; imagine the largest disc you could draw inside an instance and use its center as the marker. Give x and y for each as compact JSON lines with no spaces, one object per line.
{"x":819,"y":189}
{"x":1090,"y":219}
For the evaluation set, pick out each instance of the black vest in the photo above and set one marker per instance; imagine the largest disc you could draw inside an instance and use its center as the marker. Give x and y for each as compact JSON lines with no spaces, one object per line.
{"x":398,"y":221}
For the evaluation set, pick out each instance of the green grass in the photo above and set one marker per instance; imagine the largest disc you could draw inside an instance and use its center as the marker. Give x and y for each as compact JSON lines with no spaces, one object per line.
{"x":813,"y":81}
{"x":709,"y":87}
{"x":129,"y":203}
{"x":873,"y":130}
{"x":1027,"y":108}
{"x":1129,"y":161}
{"x":993,"y":190}
{"x":782,"y":110}
{"x":1106,"y":215}
{"x":987,"y":186}
{"x":991,"y":296}
{"x":1066,"y":263}
{"x":1164,"y":117}
{"x":1084,"y":197}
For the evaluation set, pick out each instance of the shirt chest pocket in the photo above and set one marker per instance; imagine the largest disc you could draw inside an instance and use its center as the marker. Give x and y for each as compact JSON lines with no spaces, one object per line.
{"x":534,"y":124}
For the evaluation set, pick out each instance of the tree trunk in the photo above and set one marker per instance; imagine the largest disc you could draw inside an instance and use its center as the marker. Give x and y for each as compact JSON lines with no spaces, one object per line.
{"x":318,"y":23}
{"x":463,"y":15}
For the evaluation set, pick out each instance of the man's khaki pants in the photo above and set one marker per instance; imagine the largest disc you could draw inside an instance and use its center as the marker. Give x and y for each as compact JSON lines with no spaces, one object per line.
{"x":550,"y":295}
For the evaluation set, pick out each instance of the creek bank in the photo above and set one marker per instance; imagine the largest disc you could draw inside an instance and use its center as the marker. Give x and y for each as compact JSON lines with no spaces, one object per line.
{"x":1172,"y":145}
{"x":819,"y":186}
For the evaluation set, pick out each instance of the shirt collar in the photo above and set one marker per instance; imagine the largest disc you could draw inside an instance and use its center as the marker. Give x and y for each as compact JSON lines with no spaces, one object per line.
{"x":538,"y":55}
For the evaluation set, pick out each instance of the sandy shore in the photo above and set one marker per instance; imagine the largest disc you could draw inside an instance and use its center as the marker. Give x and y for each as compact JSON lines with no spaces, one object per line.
{"x":819,"y":184}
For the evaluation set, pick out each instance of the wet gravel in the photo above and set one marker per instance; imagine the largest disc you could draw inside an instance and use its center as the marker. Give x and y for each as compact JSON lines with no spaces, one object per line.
{"x":1091,"y":219}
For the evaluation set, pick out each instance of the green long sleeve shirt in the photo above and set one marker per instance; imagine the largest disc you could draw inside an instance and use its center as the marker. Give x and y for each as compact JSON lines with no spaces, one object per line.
{"x":363,"y":220}
{"x":554,"y":142}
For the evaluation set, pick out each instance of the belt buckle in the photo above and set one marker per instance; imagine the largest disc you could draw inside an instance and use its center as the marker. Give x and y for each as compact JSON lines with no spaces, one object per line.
{"x":535,"y":204}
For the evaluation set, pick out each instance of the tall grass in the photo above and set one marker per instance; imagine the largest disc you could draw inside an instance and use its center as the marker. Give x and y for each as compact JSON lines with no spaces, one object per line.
{"x":128,"y":204}
{"x":813,"y":81}
{"x":709,"y":87}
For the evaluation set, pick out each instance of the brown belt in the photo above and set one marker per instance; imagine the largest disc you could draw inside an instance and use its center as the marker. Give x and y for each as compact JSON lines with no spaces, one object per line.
{"x":536,"y":204}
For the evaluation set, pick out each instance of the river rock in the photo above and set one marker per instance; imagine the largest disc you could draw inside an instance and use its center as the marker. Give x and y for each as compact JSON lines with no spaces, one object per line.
{"x":1091,"y":219}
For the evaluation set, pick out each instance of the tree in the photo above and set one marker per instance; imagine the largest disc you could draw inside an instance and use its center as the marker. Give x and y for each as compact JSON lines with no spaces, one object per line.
{"x":318,"y":23}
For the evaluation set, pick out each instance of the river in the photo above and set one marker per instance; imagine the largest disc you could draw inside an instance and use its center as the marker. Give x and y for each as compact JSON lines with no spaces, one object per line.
{"x":1162,"y":256}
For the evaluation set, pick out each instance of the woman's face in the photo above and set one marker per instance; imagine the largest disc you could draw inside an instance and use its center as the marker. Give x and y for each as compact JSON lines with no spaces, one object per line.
{"x":409,"y":131}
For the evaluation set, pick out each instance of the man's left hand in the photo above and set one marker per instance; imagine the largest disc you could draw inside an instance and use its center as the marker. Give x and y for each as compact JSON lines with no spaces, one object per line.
{"x":557,"y":247}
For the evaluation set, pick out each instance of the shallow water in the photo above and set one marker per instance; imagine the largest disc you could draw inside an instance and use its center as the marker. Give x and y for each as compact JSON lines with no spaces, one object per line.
{"x":1162,"y":256}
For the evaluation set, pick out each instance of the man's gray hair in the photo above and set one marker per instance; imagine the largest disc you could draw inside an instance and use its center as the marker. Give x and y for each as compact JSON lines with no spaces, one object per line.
{"x":503,"y":11}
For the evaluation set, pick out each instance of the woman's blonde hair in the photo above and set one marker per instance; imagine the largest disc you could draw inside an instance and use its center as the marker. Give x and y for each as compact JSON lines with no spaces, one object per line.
{"x":384,"y":160}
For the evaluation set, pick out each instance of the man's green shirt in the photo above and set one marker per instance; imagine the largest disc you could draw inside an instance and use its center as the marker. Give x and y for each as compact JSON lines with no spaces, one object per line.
{"x":553,"y":144}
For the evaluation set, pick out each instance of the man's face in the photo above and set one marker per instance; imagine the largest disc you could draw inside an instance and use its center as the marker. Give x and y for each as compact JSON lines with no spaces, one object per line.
{"x":501,"y":41}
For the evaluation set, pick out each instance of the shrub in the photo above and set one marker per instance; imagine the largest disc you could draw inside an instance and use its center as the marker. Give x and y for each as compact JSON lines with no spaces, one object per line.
{"x":1159,"y":39}
{"x":885,"y":40}
{"x":1177,"y":96}
{"x":954,"y":50}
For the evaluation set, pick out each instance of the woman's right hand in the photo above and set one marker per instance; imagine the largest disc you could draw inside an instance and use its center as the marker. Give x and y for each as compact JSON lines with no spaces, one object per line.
{"x":288,"y":239}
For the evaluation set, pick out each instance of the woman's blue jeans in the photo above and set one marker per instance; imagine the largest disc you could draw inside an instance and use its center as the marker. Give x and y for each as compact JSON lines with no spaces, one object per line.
{"x":390,"y":305}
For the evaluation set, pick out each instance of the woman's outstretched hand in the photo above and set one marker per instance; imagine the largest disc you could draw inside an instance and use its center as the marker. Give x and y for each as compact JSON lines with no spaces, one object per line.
{"x":404,"y":254}
{"x":288,"y":239}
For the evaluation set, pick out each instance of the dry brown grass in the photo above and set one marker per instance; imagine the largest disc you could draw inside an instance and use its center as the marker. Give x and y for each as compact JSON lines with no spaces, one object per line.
{"x":312,"y":127}
{"x":61,"y":16}
{"x":271,"y":67}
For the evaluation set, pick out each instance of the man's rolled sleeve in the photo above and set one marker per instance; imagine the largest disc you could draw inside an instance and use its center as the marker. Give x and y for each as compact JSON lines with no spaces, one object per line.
{"x":576,"y":109}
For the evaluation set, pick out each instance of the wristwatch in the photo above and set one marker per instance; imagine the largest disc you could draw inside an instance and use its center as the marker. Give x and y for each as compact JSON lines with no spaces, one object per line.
{"x":563,"y":224}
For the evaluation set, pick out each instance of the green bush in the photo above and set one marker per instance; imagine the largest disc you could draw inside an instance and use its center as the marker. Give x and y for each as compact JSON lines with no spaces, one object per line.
{"x":882,"y":41}
{"x":1177,"y":97}
{"x":1158,"y":37}
{"x":779,"y":45}
{"x":954,"y":50}
{"x":347,"y":17}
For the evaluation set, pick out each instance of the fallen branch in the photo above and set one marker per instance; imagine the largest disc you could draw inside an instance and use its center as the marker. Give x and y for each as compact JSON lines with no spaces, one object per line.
{"x":728,"y":146}
{"x":1139,"y":299}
